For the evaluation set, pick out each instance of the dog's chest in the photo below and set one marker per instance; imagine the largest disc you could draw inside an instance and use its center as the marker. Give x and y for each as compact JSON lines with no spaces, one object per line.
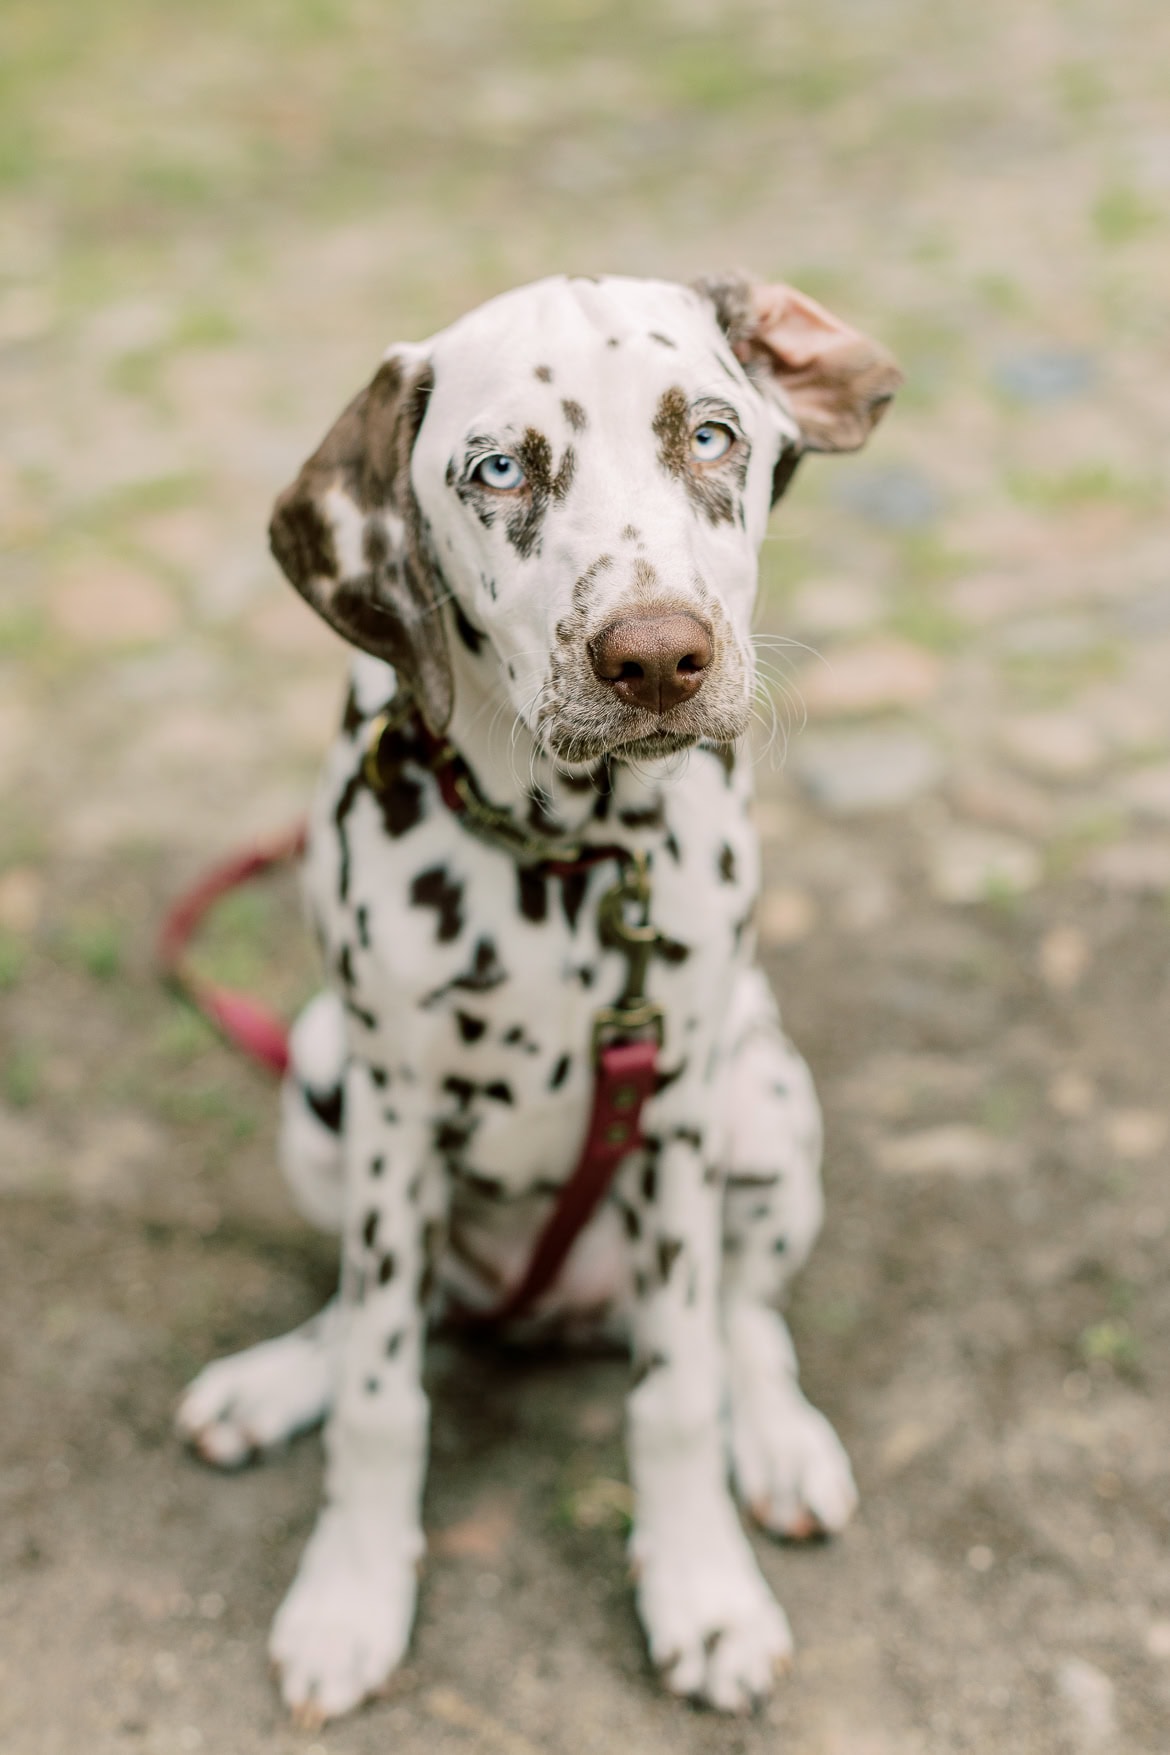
{"x":473,"y":982}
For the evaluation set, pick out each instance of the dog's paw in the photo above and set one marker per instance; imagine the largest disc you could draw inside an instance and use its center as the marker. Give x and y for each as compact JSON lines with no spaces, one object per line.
{"x":345,"y":1624}
{"x":790,"y":1467}
{"x":716,"y":1633}
{"x":254,"y":1401}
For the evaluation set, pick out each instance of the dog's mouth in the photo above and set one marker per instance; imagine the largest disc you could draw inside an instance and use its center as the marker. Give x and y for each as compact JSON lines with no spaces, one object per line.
{"x":637,"y":736}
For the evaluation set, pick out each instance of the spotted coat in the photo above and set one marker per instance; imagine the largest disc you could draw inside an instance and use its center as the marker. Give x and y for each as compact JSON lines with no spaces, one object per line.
{"x":575,"y":458}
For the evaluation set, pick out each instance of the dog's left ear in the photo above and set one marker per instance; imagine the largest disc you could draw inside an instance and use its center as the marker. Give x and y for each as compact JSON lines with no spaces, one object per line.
{"x":835,"y":382}
{"x":349,"y":535}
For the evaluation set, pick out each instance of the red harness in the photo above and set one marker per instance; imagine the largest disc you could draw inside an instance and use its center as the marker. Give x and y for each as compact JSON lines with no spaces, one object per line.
{"x":626,"y":1035}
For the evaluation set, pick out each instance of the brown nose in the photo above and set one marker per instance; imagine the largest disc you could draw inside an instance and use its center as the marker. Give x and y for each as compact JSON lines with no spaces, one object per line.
{"x":653,"y":661}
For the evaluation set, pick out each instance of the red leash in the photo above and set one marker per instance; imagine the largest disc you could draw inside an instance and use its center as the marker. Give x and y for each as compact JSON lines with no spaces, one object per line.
{"x":626,"y":1036}
{"x":242,"y":1021}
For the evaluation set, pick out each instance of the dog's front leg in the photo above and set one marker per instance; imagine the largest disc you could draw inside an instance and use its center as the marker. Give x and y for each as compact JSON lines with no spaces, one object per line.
{"x":345,"y":1623}
{"x":715,"y":1631}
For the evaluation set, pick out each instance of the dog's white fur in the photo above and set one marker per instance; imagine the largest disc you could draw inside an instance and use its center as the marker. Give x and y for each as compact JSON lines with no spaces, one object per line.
{"x":439,"y":1090}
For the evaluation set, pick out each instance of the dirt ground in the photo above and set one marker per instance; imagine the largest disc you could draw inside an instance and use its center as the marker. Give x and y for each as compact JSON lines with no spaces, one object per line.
{"x":212,"y":220}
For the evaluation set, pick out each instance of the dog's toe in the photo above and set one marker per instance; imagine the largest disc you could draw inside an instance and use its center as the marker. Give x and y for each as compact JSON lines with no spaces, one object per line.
{"x":716,"y":1633}
{"x":344,"y":1626}
{"x":790,"y":1467}
{"x":252,"y":1402}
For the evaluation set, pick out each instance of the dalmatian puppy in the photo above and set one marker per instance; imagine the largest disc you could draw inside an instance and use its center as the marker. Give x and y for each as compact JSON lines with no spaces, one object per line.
{"x":543,"y":524}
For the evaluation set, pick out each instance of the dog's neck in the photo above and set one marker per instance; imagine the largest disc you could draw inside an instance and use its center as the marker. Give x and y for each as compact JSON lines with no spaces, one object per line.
{"x":515,"y":773}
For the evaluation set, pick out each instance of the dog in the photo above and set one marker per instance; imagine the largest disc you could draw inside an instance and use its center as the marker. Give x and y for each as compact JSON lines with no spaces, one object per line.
{"x":540,"y":528}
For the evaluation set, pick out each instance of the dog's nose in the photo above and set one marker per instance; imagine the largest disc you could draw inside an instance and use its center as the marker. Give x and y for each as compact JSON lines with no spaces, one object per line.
{"x":653,"y":661}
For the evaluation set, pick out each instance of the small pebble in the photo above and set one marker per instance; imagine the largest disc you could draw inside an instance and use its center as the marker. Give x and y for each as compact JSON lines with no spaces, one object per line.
{"x":785,"y":917}
{"x":953,"y":1149}
{"x":1158,"y":1640}
{"x":1063,"y":747}
{"x":107,"y":603}
{"x":893,"y":496}
{"x":873,"y":678}
{"x":978,"y":865}
{"x":1132,"y":867}
{"x":1063,"y":958}
{"x":1148,"y":791}
{"x":1072,"y":1093}
{"x":1136,"y":1133}
{"x":852,"y":772}
{"x":1089,"y":1695}
{"x":1044,"y":375}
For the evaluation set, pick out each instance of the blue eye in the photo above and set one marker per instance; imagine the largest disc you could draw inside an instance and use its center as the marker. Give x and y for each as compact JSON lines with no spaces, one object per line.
{"x":499,"y":471}
{"x":711,"y":441}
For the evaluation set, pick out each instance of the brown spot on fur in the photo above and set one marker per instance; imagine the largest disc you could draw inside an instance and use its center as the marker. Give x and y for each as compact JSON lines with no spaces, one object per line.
{"x":534,"y":455}
{"x":581,"y":588}
{"x":731,"y":295}
{"x":651,"y":818}
{"x":631,"y":533}
{"x":434,"y":889}
{"x":709,"y":489}
{"x":575,"y":415}
{"x":353,"y":716}
{"x":471,"y":636}
{"x":663,"y":340}
{"x":587,"y":782}
{"x":669,"y":1250}
{"x":724,"y":754}
{"x":532,"y":890}
{"x":544,"y":373}
{"x":646,"y":1366}
{"x":385,"y":606}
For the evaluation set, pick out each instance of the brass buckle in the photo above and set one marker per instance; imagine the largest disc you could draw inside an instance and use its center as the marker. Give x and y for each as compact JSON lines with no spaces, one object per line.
{"x":394,"y":716}
{"x":614,"y":1023}
{"x":636,"y":940}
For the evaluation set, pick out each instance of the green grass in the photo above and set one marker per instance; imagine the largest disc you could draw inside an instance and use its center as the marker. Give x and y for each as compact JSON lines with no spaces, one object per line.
{"x":1111,"y":1342}
{"x":185,"y":1035}
{"x":1099,"y":483}
{"x":1082,"y":90}
{"x":22,"y":631}
{"x":13,"y":958}
{"x":1004,"y":1108}
{"x":1053,"y":679}
{"x":20,"y":1081}
{"x":95,"y":947}
{"x":1097,"y":825}
{"x":1121,"y":214}
{"x":920,"y":616}
{"x":210,"y":1101}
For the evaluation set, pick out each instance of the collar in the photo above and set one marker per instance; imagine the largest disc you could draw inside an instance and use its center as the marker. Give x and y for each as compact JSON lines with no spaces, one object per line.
{"x":624,"y":921}
{"x":460,"y":792}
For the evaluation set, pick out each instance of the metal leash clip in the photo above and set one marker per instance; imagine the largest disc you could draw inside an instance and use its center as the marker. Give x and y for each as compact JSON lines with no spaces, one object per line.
{"x":633,"y":1014}
{"x":392,"y":718}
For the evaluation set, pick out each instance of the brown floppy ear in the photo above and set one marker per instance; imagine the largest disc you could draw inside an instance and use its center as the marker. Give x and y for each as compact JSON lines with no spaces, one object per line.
{"x":835,"y":382}
{"x":349,"y":535}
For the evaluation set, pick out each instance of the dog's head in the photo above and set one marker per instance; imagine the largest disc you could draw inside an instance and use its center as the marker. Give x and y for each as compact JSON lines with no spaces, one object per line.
{"x":575,"y":479}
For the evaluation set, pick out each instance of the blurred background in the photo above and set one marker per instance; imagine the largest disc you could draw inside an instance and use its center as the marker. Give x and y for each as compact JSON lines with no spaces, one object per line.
{"x":213,"y":218}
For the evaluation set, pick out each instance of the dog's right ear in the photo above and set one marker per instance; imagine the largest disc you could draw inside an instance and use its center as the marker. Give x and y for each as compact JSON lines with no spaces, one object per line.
{"x":349,"y":535}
